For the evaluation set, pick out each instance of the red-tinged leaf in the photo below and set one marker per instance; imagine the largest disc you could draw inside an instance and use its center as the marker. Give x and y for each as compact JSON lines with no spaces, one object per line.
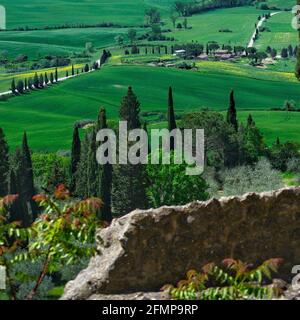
{"x":39,"y":198}
{"x":61,"y":192}
{"x":9,"y":199}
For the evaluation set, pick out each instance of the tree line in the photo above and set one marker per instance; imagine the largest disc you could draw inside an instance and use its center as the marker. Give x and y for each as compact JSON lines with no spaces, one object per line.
{"x":123,"y":188}
{"x":42,"y":80}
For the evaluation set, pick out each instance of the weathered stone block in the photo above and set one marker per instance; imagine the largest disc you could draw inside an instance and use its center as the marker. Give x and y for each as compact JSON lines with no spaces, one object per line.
{"x":144,"y":250}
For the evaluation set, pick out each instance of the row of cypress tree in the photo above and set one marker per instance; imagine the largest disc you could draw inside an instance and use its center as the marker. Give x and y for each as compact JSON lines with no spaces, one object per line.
{"x":37,"y":82}
{"x":121,"y":187}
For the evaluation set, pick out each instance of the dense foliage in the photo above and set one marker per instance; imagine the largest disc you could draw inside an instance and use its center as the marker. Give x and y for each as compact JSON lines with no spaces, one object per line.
{"x":237,"y":281}
{"x":62,"y":235}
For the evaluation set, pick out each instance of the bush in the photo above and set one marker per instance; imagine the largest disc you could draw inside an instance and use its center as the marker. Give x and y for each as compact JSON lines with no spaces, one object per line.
{"x":169,"y":185}
{"x":235,"y":281}
{"x":293,"y":165}
{"x":49,"y":170}
{"x":258,"y":178}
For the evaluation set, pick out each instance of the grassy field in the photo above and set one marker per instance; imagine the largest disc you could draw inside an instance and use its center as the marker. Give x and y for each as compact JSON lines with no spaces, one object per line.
{"x":275,"y":124}
{"x":48,"y":115}
{"x":52,"y":12}
{"x":40,"y":43}
{"x":282,"y":4}
{"x":281,"y":32}
{"x":206,"y":26}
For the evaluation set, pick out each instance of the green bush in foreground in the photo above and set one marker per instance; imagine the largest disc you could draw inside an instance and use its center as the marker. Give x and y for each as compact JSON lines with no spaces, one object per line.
{"x":63,"y":235}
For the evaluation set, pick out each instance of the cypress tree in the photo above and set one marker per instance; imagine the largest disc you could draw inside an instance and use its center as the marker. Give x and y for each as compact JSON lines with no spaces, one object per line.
{"x":56,"y":75}
{"x":81,"y":173}
{"x":36,"y":81}
{"x":28,"y":173}
{"x":51,"y":78}
{"x":130,"y":110}
{"x":15,"y":211}
{"x":13,"y":86}
{"x":92,"y":168}
{"x":250,"y":121}
{"x":21,"y":183}
{"x":129,"y":183}
{"x":75,"y":157}
{"x":278,"y":142}
{"x":67,"y":74}
{"x":231,"y":113}
{"x":20,"y":86}
{"x":105,"y":177}
{"x":46,"y":78}
{"x":171,"y":117}
{"x":73,"y":71}
{"x":26,"y":84}
{"x":4,"y":164}
{"x":30,"y":83}
{"x":41,"y":81}
{"x":87,"y":175}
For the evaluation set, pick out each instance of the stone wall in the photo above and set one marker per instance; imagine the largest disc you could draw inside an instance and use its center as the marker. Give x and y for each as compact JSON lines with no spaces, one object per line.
{"x":144,"y":250}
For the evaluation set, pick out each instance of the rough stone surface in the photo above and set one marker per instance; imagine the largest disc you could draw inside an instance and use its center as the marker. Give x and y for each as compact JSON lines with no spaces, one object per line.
{"x":144,"y":250}
{"x":131,"y":296}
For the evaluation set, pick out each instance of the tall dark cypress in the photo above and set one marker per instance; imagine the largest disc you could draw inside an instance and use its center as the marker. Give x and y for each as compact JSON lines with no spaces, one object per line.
{"x":4,"y":165}
{"x":73,"y":71}
{"x":105,"y":177}
{"x":130,"y":110}
{"x":75,"y":157}
{"x":41,"y":81}
{"x":46,"y":78}
{"x":81,"y":174}
{"x":15,"y":211}
{"x":22,"y":208}
{"x":231,"y":113}
{"x":129,"y":183}
{"x":250,"y":121}
{"x":13,"y":86}
{"x":36,"y":81}
{"x":92,"y":168}
{"x":56,"y":75}
{"x":51,"y":78}
{"x":171,"y":117}
{"x":26,"y":179}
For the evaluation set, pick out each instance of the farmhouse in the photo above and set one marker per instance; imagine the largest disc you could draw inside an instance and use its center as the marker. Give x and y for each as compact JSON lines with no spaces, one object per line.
{"x":180,"y":53}
{"x":203,"y":57}
{"x":224,"y":54}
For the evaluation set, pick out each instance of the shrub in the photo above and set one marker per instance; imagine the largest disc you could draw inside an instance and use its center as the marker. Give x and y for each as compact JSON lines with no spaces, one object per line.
{"x":61,"y":236}
{"x":236,"y":281}
{"x":169,"y":185}
{"x":258,"y":178}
